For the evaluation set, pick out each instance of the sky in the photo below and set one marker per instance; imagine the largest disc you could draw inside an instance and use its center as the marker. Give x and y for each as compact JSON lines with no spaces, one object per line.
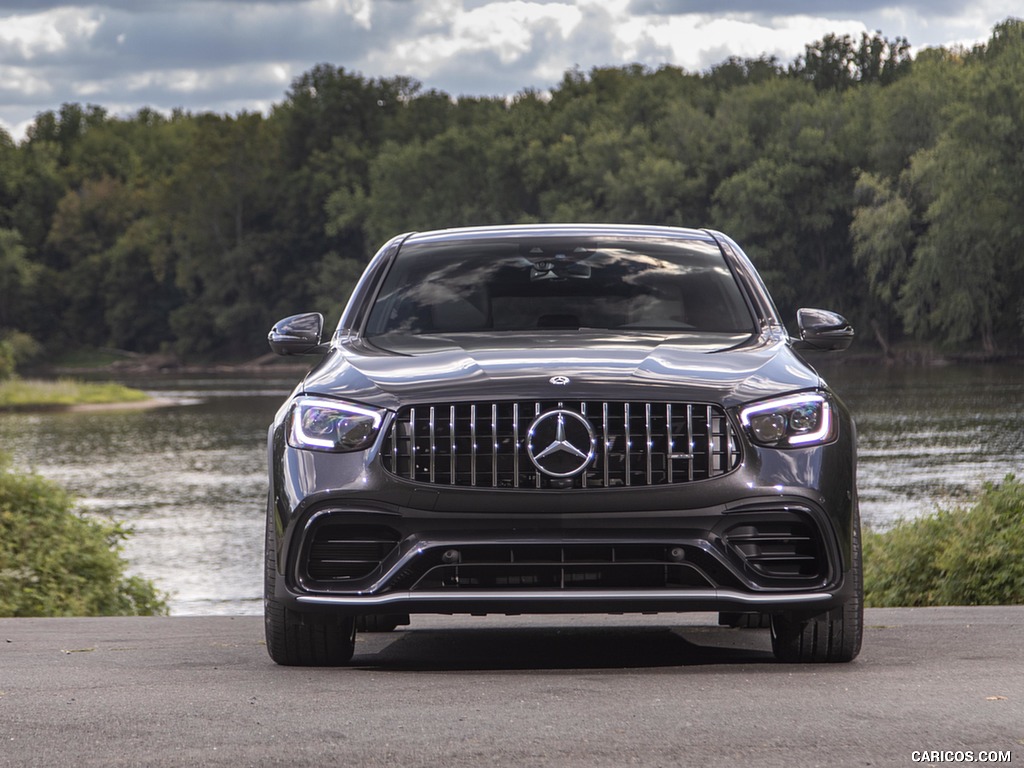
{"x":230,"y":56}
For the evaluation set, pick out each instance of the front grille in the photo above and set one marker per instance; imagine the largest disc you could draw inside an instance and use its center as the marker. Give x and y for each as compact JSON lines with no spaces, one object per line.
{"x":484,"y":444}
{"x":566,"y":567}
{"x":344,"y":552}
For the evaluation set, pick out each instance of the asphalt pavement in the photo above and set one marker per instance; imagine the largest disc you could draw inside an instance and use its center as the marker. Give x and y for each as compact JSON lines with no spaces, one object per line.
{"x":932,"y":685}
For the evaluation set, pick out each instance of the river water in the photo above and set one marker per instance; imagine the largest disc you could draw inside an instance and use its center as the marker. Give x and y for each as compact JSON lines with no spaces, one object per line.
{"x":190,"y":479}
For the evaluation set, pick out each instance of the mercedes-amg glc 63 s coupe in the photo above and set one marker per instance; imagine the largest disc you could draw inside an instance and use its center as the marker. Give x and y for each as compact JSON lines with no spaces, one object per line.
{"x":562,"y":419}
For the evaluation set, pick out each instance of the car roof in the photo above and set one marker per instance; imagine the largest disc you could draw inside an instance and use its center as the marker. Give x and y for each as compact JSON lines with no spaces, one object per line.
{"x":517,"y":231}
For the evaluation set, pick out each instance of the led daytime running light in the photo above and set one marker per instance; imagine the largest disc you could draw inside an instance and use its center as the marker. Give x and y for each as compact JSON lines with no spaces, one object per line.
{"x":785,"y":408}
{"x":332,"y":416}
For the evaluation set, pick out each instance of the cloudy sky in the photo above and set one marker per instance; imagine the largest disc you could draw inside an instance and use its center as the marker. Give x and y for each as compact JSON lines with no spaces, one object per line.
{"x":228,"y":56}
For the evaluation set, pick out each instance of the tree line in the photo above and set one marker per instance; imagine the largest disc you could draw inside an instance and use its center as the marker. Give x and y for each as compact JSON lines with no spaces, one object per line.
{"x":885,"y":186}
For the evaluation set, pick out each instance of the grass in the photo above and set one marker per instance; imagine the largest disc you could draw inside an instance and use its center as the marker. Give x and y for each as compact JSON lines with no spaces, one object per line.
{"x":18,"y":393}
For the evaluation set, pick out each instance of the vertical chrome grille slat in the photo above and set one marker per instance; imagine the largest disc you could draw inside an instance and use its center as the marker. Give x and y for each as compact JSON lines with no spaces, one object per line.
{"x":394,"y":446}
{"x":669,"y":444}
{"x":650,"y":444}
{"x":452,"y":461}
{"x":696,"y":442}
{"x":536,"y":413}
{"x":628,"y":450}
{"x":472,"y":445}
{"x":607,"y":441}
{"x":711,"y":439}
{"x":515,"y":445}
{"x":494,"y":445}
{"x":412,"y":443}
{"x":689,"y":442}
{"x":583,"y":477}
{"x":431,"y":425}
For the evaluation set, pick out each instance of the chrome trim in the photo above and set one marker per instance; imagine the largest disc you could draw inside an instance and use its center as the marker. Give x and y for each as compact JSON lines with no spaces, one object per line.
{"x":433,"y":444}
{"x":711,"y":434}
{"x":473,"y":446}
{"x":452,"y":464}
{"x":650,"y":444}
{"x":515,"y":445}
{"x":494,"y":445}
{"x":445,"y":443}
{"x":605,"y":439}
{"x":629,"y":443}
{"x":582,"y":596}
{"x":689,"y":437}
{"x":412,"y":444}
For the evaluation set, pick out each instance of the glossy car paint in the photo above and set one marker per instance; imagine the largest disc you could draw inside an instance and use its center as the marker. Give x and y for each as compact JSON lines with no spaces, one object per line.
{"x":730,"y":369}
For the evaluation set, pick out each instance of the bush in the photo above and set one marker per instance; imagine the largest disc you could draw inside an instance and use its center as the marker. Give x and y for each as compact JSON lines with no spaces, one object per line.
{"x":54,"y":561}
{"x":955,"y":557}
{"x":7,"y":363}
{"x":16,"y":348}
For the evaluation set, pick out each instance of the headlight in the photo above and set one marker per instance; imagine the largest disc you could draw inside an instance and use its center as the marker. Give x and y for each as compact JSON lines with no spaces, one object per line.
{"x":328,"y":425}
{"x":790,"y":422}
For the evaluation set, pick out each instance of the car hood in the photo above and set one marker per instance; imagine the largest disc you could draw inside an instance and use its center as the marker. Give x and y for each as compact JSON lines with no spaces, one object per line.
{"x":725,"y":368}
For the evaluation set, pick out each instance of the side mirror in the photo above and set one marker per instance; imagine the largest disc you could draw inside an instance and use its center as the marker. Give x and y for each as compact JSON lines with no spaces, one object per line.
{"x":298,"y":335}
{"x":822,"y":330}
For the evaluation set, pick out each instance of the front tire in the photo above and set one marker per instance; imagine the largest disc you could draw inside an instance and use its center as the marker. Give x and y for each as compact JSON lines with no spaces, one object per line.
{"x":298,"y":638}
{"x":830,"y":637}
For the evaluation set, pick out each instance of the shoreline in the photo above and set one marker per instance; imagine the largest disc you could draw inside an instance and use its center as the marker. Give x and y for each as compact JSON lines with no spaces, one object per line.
{"x":130,"y":405}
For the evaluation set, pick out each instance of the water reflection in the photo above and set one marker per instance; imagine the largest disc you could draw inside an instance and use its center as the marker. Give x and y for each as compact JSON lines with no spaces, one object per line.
{"x":931,"y":437}
{"x":191,"y":478}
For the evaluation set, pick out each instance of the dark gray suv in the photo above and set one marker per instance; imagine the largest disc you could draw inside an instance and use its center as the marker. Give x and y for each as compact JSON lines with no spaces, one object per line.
{"x":561,"y":419}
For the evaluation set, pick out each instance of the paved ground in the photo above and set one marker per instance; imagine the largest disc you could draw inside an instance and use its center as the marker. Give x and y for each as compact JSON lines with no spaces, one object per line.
{"x":526,"y":691}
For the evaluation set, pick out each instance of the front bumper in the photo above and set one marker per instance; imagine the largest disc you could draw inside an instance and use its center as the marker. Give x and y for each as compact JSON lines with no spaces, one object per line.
{"x":769,"y":555}
{"x":772,"y":536}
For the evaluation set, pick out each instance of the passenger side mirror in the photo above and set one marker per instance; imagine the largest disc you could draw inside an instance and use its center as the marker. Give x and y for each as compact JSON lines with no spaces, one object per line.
{"x":822,"y":330}
{"x":298,"y":335}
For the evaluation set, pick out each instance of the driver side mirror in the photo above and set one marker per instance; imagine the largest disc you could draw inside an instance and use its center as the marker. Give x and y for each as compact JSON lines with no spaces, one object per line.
{"x":822,"y":330}
{"x":298,"y":335}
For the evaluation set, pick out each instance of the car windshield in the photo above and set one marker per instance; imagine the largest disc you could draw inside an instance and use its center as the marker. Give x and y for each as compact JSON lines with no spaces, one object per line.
{"x":480,"y":287}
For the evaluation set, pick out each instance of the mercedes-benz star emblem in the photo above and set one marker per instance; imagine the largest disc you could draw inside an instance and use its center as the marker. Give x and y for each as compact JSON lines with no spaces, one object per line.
{"x":561,"y":443}
{"x":561,"y":381}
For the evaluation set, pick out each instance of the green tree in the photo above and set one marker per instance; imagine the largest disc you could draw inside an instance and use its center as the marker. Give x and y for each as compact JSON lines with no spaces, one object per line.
{"x":836,"y":63}
{"x":18,"y":278}
{"x":86,"y":224}
{"x":908,"y":115}
{"x":967,"y":274}
{"x":883,"y":237}
{"x":219,"y":237}
{"x":791,"y":207}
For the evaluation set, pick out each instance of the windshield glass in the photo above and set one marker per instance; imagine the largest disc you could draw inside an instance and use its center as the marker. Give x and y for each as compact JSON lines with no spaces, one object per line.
{"x":642,"y":285}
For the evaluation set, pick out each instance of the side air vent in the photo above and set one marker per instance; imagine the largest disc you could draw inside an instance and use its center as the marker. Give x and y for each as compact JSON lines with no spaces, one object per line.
{"x":345,"y":552}
{"x":779,"y":549}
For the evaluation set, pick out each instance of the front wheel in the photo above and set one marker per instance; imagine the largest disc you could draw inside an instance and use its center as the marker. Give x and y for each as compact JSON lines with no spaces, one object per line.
{"x":833,"y":636}
{"x":298,"y":638}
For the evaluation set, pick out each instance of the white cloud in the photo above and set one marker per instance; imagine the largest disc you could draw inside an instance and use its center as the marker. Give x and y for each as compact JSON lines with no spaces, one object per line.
{"x":506,"y":30}
{"x":227,"y":55}
{"x":40,"y":34}
{"x":699,"y":41}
